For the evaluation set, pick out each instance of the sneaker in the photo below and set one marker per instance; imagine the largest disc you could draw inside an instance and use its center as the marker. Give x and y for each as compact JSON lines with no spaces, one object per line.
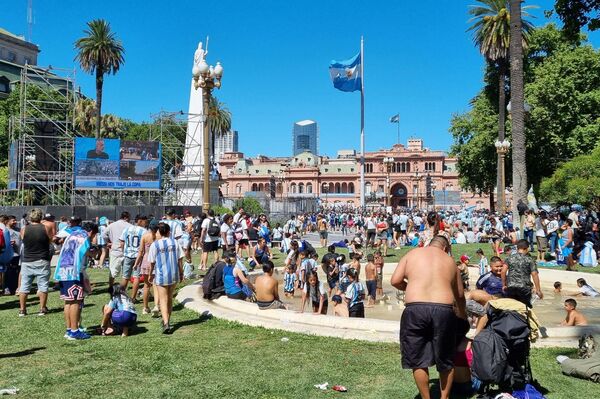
{"x":70,"y":335}
{"x":155,"y":312}
{"x":22,"y":313}
{"x":81,"y":335}
{"x":43,"y":311}
{"x":165,"y":327}
{"x":561,"y":358}
{"x":146,"y":311}
{"x":7,"y":291}
{"x":82,"y":329}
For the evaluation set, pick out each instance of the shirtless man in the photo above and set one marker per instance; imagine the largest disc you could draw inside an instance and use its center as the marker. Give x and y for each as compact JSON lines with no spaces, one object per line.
{"x":427,"y":327}
{"x":574,"y":316}
{"x":267,"y":289}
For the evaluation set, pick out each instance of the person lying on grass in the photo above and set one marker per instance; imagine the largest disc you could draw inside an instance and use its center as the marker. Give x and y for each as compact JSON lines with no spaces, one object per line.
{"x":119,"y":313}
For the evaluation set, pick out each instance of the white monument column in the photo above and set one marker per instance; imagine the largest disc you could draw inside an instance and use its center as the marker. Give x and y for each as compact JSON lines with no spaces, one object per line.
{"x":189,"y":181}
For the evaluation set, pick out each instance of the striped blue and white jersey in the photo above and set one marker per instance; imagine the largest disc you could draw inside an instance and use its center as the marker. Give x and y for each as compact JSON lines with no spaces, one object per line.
{"x":175,"y":225}
{"x":355,"y":293}
{"x":131,"y":238}
{"x":165,"y":254}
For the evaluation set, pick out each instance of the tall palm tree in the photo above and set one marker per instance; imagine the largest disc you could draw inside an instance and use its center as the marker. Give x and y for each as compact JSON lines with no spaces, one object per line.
{"x":491,"y":33}
{"x":220,"y":120}
{"x":99,"y":52}
{"x":517,"y":95}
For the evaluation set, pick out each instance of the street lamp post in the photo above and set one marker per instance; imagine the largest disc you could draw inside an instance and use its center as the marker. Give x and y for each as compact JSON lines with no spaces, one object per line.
{"x":417,"y":179}
{"x":501,"y":148}
{"x":388,"y":162}
{"x":433,"y":186}
{"x":207,"y":78}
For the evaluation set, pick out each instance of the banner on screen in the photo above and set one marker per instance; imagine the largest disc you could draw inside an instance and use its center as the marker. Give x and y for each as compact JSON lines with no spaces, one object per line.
{"x":13,"y":165}
{"x":117,"y":164}
{"x":447,"y":198}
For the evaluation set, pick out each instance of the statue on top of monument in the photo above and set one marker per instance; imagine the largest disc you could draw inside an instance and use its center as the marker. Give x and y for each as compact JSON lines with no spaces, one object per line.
{"x":199,"y":55}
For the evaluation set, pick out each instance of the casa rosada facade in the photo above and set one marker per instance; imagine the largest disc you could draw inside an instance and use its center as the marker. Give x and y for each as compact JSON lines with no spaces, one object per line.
{"x":402,"y":176}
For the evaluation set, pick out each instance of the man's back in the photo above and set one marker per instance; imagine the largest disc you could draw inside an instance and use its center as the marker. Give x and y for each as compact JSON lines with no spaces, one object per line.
{"x":266,"y":286}
{"x":114,"y":231}
{"x":431,"y":275}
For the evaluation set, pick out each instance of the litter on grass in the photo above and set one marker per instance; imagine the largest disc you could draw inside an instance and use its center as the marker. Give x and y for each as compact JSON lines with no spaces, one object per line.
{"x":322,"y":387}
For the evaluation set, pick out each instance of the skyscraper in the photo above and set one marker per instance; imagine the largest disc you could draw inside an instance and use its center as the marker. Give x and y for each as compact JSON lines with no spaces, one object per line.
{"x":227,"y":142}
{"x":305,"y":137}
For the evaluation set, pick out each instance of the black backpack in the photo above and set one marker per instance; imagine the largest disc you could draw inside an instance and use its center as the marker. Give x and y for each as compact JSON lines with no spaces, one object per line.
{"x":213,"y":228}
{"x":212,"y":284}
{"x":197,"y":226}
{"x":307,"y":247}
{"x":490,"y":359}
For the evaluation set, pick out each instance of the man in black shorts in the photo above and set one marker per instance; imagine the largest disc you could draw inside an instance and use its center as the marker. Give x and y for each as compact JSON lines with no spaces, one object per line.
{"x":427,"y":327}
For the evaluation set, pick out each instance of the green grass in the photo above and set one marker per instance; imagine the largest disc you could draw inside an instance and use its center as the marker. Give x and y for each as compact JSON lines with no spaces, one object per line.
{"x":208,"y":359}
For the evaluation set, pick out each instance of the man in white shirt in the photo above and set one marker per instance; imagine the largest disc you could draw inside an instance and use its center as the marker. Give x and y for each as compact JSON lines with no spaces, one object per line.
{"x":470,"y":236}
{"x":552,"y":232}
{"x":460,"y":237}
{"x":112,"y":236}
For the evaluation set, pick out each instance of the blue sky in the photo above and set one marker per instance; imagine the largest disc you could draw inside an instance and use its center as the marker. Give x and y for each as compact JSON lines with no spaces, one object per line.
{"x":419,"y":61}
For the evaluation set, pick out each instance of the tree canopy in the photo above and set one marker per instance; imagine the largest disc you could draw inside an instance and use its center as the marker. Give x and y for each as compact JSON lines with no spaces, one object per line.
{"x":576,"y":14}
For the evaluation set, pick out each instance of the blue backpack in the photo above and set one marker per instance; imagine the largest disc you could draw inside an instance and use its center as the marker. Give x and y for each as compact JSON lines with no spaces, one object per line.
{"x":528,"y":393}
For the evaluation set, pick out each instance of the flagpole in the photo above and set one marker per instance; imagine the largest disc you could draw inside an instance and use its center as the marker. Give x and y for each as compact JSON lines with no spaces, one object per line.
{"x":362,"y":125}
{"x":398,"y":127}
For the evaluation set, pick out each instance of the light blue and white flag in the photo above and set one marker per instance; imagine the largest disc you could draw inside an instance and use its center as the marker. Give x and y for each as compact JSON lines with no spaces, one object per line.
{"x":395,"y":118}
{"x":346,"y":75}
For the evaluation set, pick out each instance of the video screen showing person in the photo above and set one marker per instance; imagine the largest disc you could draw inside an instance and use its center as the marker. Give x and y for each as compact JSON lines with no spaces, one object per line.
{"x":100,"y":149}
{"x":140,"y":150}
{"x":100,"y":170}
{"x":140,"y":170}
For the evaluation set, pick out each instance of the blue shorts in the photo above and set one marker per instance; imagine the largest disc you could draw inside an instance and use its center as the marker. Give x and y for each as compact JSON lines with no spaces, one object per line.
{"x":123,"y":318}
{"x":332,"y":283}
{"x":71,"y":290}
{"x":372,"y":288}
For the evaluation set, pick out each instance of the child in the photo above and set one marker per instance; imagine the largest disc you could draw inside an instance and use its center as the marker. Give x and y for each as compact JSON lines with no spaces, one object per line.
{"x":339,"y":308}
{"x":585,"y":289}
{"x":378,"y":260}
{"x":484,"y":266}
{"x":463,"y":267}
{"x":119,"y":312}
{"x":491,"y":282}
{"x":289,"y":280}
{"x":331,"y":271}
{"x":355,"y":294}
{"x":343,"y":278}
{"x":574,"y":317}
{"x":317,"y":292}
{"x":355,"y":264}
{"x":371,"y":277}
{"x":301,"y":272}
{"x":557,"y":287}
{"x":72,"y":261}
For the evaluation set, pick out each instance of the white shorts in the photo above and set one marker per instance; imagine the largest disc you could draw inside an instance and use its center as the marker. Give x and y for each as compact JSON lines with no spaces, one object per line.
{"x":115,"y":264}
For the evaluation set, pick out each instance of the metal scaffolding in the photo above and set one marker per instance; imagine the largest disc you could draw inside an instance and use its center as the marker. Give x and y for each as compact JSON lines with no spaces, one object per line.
{"x":43,"y":136}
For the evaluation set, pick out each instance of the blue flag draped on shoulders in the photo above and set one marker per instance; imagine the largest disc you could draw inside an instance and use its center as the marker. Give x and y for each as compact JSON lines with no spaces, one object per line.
{"x":346,"y":75}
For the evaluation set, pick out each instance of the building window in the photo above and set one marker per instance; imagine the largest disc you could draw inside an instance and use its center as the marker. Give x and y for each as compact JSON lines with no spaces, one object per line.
{"x":367,"y":188}
{"x":351,"y":188}
{"x":293,"y":188}
{"x":3,"y":86}
{"x":27,"y":60}
{"x":415,"y":189}
{"x":308,"y":188}
{"x":301,"y":188}
{"x":254,"y":187}
{"x":338,"y":188}
{"x":344,"y":188}
{"x":238,"y":188}
{"x":279,"y":188}
{"x":12,"y":57}
{"x":380,"y":188}
{"x":267,"y":187}
{"x":331,"y":188}
{"x":260,"y":187}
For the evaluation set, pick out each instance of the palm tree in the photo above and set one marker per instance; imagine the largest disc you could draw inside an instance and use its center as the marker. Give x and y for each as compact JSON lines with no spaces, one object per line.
{"x":99,"y":52}
{"x":220,"y":120}
{"x":85,"y":116}
{"x":111,"y":126}
{"x":491,"y":33}
{"x":517,"y":108}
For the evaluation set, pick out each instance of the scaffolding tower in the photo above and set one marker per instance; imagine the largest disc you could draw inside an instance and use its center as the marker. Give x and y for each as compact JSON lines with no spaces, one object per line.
{"x":43,"y":136}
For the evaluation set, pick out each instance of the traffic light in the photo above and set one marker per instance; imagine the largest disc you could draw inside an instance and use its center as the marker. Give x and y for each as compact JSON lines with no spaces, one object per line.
{"x":428,"y":186}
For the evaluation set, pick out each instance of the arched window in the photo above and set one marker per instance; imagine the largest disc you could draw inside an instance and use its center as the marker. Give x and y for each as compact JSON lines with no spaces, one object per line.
{"x":301,"y":188}
{"x":351,"y":188}
{"x":367,"y":188}
{"x":344,"y":188}
{"x":331,"y":188}
{"x":393,"y":168}
{"x":238,"y":188}
{"x":408,"y":167}
{"x":260,"y":187}
{"x":254,"y":187}
{"x":308,"y":188}
{"x":337,"y":188}
{"x":324,"y":188}
{"x":267,"y":187}
{"x":433,"y":167}
{"x":403,"y":167}
{"x":293,"y":188}
{"x":279,"y":188}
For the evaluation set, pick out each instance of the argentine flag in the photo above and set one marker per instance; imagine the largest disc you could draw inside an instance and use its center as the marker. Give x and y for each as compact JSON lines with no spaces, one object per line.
{"x":346,"y":75}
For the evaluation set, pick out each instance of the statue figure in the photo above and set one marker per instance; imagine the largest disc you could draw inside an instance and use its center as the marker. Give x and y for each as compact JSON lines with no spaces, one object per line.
{"x":199,"y":55}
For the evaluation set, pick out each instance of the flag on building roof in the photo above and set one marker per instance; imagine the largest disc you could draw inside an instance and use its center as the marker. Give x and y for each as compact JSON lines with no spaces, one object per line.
{"x":395,"y":118}
{"x":346,"y":75}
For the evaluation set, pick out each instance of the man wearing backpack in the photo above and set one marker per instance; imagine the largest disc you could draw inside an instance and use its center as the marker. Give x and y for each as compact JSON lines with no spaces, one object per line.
{"x":209,"y":238}
{"x":432,"y":284}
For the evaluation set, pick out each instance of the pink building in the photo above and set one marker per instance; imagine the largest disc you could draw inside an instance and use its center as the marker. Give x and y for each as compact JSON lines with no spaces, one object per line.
{"x":403,"y":176}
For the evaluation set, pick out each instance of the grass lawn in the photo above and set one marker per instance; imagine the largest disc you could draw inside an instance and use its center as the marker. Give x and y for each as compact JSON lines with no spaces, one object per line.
{"x":208,"y":359}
